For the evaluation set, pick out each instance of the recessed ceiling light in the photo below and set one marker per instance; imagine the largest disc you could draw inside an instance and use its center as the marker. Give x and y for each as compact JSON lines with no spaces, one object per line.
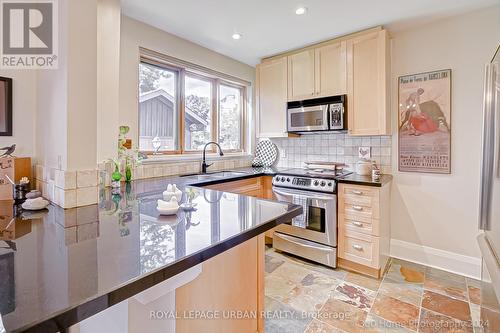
{"x":301,"y":10}
{"x":236,"y":36}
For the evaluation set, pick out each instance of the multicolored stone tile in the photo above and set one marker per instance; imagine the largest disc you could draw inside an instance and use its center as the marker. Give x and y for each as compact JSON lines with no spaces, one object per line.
{"x":453,"y":287}
{"x":443,"y":275}
{"x":396,"y":311}
{"x":363,"y":281}
{"x":291,"y":271}
{"x":317,"y":326}
{"x":311,"y":293}
{"x":282,"y":318}
{"x":448,"y":306}
{"x":431,"y":322}
{"x":403,"y":272}
{"x":474,"y":294}
{"x":383,"y":326}
{"x":406,"y":292}
{"x":272,"y":263}
{"x":277,"y":287}
{"x":356,"y":296}
{"x":343,"y":316}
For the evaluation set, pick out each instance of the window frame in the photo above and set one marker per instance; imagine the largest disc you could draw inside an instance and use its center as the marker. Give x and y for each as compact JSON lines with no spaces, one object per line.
{"x":216,"y":80}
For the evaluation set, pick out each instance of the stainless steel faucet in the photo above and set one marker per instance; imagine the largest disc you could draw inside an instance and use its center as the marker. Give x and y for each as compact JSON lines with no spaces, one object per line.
{"x":204,"y":164}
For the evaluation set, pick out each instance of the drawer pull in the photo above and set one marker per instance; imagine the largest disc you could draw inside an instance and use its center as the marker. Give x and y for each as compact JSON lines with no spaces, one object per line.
{"x":358,"y":208}
{"x":357,"y":224}
{"x":357,"y":192}
{"x":357,"y":247}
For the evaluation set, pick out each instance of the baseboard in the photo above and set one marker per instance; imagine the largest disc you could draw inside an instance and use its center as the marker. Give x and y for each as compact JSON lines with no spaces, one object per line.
{"x":432,"y":257}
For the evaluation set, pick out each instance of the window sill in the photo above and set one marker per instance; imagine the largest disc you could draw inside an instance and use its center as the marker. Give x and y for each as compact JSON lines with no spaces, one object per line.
{"x":152,"y":159}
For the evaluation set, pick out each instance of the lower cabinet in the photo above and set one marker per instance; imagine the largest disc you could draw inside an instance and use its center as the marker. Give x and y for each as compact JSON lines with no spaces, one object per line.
{"x":363,"y":228}
{"x":231,"y":286}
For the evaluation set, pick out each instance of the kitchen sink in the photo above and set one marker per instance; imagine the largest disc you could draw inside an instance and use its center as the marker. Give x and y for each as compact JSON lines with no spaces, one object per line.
{"x":217,"y":175}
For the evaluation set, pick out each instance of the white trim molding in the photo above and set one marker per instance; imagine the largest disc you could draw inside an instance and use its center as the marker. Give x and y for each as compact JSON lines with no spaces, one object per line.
{"x":436,"y":258}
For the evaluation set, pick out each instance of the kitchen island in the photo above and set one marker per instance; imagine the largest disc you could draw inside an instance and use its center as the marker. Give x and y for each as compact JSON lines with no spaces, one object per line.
{"x":105,"y":265}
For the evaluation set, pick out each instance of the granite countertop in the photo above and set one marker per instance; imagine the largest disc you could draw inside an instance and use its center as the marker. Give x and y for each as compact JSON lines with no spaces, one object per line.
{"x":59,"y":266}
{"x":356,"y":179}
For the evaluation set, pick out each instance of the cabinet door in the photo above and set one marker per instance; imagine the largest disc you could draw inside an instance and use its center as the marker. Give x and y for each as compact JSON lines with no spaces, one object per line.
{"x":271,"y":98}
{"x":330,"y":70}
{"x":367,"y":100}
{"x":301,"y":76}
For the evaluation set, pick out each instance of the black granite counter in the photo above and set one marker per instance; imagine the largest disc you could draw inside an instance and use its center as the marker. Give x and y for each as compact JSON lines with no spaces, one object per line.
{"x":59,"y":267}
{"x":356,"y":179}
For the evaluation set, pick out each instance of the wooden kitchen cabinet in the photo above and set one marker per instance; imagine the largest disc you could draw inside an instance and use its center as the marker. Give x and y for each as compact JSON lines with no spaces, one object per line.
{"x":271,"y":98}
{"x":363,"y":228}
{"x":330,"y":75}
{"x":301,"y":76}
{"x":317,"y":72}
{"x":367,"y":84}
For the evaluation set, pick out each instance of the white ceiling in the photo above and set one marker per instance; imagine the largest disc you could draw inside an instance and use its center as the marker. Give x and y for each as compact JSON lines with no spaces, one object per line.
{"x":271,"y":26}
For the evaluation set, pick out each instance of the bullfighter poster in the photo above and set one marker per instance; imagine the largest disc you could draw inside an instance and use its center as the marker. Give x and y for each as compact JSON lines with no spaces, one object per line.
{"x":424,"y":122}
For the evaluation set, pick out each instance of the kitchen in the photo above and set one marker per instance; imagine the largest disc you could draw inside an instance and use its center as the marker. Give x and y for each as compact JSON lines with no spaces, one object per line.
{"x":362,"y":239}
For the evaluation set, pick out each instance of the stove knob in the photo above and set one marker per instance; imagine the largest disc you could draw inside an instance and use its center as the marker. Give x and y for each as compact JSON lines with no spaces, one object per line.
{"x":288,"y":179}
{"x":282,"y":179}
{"x":323,"y":183}
{"x":316,"y":183}
{"x":330,"y":184}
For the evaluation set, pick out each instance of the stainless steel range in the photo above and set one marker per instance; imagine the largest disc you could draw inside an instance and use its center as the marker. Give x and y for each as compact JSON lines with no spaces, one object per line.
{"x":312,"y":235}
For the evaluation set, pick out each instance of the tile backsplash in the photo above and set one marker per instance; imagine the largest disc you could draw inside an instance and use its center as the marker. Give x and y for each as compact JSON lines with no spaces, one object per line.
{"x":334,"y":147}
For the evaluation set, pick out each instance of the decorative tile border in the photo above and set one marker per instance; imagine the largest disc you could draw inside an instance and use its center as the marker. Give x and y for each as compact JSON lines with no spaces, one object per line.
{"x":67,"y":189}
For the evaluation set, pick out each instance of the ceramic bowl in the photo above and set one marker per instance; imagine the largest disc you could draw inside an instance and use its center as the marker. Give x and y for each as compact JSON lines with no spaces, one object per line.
{"x":167,"y":211}
{"x":168,"y":195}
{"x":35,"y":204}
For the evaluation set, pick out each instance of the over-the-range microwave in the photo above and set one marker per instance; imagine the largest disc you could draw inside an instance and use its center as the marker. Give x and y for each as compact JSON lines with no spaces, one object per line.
{"x":320,"y":114}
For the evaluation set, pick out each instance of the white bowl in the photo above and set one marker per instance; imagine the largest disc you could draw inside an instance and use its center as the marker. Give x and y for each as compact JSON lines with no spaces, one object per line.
{"x":168,"y":195}
{"x":35,"y":204}
{"x":167,"y":211}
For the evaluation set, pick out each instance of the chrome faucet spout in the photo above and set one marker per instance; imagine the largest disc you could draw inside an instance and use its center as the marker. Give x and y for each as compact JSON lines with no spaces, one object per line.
{"x":204,"y":164}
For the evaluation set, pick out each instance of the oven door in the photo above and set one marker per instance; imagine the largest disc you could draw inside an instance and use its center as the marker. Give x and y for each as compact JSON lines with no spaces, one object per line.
{"x":310,"y":118}
{"x":318,"y":223}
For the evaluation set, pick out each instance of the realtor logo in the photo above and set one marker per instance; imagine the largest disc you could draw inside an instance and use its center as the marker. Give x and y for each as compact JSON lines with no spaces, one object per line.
{"x":29,"y":34}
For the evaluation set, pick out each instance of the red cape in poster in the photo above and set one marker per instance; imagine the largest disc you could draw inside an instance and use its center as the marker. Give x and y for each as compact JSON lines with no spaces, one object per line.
{"x":424,"y":122}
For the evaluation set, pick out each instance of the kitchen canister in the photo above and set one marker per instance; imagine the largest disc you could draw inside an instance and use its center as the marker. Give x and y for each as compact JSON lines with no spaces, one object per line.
{"x":364,"y":167}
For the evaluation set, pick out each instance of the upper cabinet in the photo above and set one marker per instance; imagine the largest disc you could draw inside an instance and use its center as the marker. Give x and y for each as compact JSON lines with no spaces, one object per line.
{"x":301,"y":76}
{"x":317,"y":72}
{"x":271,"y":98}
{"x":367,"y":84}
{"x":355,"y":65}
{"x":330,"y":70}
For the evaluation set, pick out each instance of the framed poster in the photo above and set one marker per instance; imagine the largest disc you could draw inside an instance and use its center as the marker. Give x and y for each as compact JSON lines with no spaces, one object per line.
{"x":5,"y":106}
{"x":424,"y":134}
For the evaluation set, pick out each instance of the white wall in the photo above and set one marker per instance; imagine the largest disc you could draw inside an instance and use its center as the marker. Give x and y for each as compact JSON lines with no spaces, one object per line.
{"x":135,"y":34}
{"x":441,"y":211}
{"x":24,"y":115}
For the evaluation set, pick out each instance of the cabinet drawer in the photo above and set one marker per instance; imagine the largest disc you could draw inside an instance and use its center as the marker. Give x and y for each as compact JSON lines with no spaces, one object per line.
{"x":360,"y":191}
{"x":362,"y":200}
{"x":357,"y":226}
{"x":363,"y":213}
{"x":359,"y":248}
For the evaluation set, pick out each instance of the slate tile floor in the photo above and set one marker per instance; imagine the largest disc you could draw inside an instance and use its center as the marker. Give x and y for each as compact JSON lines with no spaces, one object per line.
{"x":304,"y":297}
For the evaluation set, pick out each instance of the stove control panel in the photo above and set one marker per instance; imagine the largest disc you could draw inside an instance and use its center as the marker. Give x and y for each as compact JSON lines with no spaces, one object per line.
{"x":305,"y":183}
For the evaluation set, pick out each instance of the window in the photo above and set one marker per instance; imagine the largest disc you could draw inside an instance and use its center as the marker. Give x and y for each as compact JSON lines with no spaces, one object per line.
{"x":212,"y":109}
{"x":158,"y":108}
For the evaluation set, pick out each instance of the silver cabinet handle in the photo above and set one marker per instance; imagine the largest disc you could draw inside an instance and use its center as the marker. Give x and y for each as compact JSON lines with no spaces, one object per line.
{"x":357,"y":247}
{"x":357,"y":224}
{"x":357,"y":192}
{"x":358,"y":208}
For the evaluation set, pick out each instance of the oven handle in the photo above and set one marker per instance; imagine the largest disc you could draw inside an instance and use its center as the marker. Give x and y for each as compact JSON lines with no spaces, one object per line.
{"x":315,"y":197}
{"x":304,"y":244}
